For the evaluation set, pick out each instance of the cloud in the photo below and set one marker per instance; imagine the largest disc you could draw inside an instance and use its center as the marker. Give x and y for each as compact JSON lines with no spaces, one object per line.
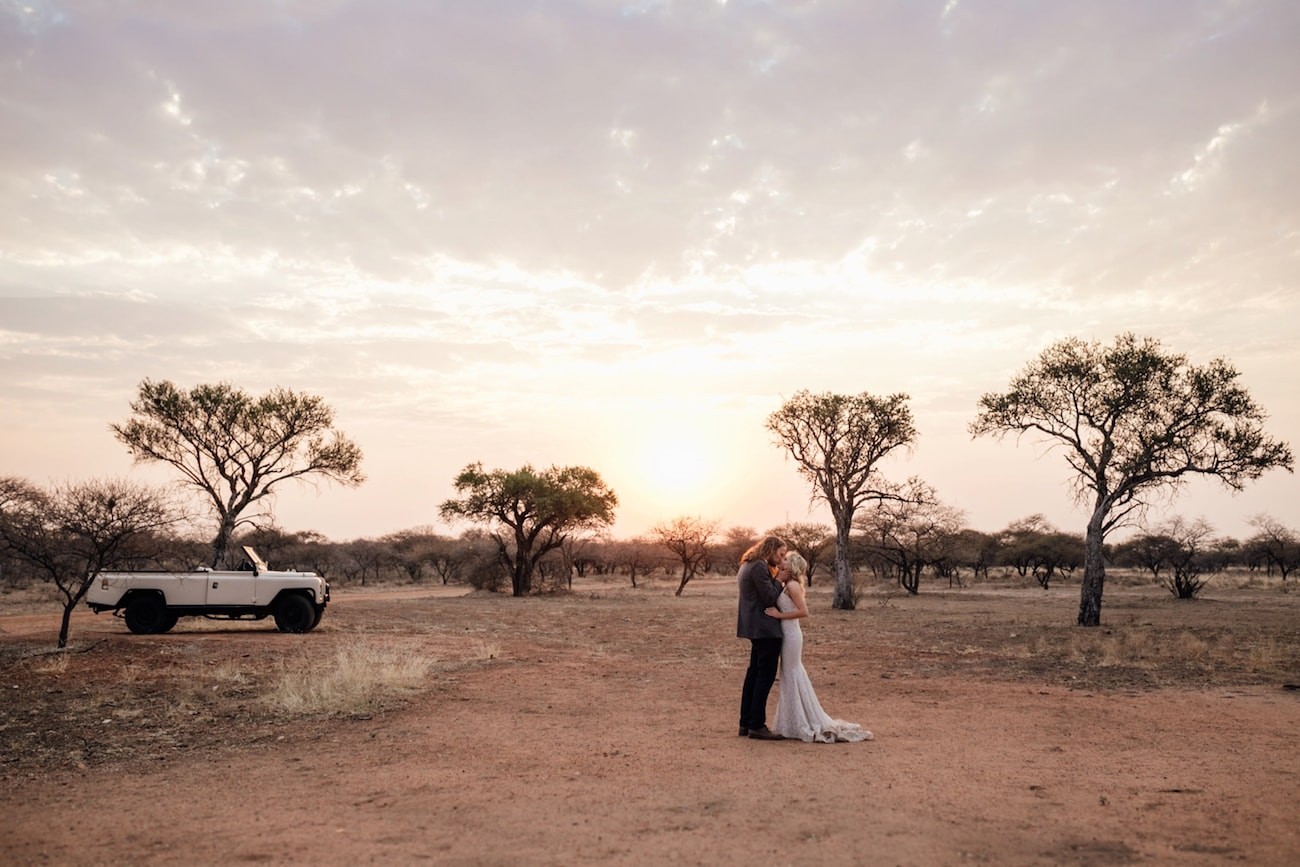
{"x":473,"y":212}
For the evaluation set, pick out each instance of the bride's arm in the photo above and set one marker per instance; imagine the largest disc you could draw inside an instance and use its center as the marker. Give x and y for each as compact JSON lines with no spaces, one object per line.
{"x":796,"y":593}
{"x":794,"y":590}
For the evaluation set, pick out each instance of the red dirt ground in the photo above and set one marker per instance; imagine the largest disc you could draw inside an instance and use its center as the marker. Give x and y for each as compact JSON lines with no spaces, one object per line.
{"x":598,"y":726}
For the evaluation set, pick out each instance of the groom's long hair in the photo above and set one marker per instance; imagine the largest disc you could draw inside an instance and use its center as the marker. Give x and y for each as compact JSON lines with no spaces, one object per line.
{"x":762,"y":550}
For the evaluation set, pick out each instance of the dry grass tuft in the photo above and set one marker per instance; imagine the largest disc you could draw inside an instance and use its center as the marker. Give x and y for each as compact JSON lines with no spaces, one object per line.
{"x":1266,"y":656}
{"x":231,"y":674}
{"x":1191,"y":648}
{"x":54,"y":665}
{"x":133,"y":673}
{"x":1132,"y":647}
{"x":359,"y":679}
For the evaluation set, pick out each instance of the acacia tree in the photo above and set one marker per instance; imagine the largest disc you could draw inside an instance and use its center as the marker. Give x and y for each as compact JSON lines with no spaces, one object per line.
{"x":837,"y":440}
{"x":1056,"y":552}
{"x":1279,"y":545}
{"x":1149,"y":551}
{"x":689,"y":539}
{"x":575,"y":557}
{"x":975,"y":550}
{"x":476,"y":560}
{"x":71,"y":533}
{"x":1032,"y":546}
{"x":1132,"y":420}
{"x":445,"y":558}
{"x":412,"y":551}
{"x":735,"y":542}
{"x":235,"y":448}
{"x":1187,"y":563}
{"x":530,"y":513}
{"x":911,"y":532}
{"x":638,"y":554}
{"x":1020,"y":542}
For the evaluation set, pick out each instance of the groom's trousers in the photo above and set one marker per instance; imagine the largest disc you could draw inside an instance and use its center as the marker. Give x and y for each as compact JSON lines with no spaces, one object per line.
{"x":764,"y":657}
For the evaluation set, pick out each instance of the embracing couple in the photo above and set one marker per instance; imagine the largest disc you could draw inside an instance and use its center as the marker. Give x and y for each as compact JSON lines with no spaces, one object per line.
{"x":772,"y":602}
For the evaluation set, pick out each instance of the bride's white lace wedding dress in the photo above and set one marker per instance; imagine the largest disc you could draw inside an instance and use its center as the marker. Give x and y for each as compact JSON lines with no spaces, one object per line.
{"x":798,"y":713}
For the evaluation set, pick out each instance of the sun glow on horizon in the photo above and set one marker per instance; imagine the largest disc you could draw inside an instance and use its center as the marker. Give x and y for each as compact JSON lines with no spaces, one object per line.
{"x":679,"y":472}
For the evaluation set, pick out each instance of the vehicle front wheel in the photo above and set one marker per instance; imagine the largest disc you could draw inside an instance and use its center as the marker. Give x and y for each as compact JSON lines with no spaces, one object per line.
{"x":148,"y":615}
{"x":293,"y":613}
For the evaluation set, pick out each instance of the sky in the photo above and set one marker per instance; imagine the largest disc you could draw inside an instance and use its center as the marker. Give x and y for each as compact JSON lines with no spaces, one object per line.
{"x":621,"y":234}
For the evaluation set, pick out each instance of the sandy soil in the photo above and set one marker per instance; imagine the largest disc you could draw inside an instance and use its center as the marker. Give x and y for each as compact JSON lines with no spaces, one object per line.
{"x":598,"y":726}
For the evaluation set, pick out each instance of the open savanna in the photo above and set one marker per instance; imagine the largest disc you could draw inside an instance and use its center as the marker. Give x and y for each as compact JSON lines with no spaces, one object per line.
{"x":428,"y":724}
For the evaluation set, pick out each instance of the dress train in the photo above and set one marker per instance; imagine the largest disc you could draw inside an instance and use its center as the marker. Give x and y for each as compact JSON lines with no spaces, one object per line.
{"x":798,"y":713}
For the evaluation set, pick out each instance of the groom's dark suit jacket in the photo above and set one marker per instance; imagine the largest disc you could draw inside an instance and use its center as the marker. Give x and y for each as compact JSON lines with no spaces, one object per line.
{"x":758,"y":590}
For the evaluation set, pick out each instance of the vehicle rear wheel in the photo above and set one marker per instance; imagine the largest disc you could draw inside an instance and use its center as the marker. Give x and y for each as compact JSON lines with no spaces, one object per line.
{"x":293,"y":613}
{"x":147,"y":614}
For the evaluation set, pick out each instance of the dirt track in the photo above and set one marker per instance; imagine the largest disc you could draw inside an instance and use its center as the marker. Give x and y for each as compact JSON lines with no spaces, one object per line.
{"x":601,"y":730}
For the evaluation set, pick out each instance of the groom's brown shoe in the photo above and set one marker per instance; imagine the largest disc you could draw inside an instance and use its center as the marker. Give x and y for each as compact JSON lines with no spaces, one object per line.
{"x":765,"y":734}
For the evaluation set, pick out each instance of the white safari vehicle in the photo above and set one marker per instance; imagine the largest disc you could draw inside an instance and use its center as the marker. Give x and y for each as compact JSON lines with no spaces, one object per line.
{"x":151,"y":602}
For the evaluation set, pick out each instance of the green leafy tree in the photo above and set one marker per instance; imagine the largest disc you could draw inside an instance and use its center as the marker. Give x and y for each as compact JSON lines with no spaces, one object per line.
{"x":69,"y":534}
{"x":236,"y":449}
{"x":1132,"y":419}
{"x":837,"y":441}
{"x":530,"y":513}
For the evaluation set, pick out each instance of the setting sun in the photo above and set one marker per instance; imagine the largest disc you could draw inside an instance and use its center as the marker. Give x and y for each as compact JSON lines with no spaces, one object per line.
{"x":678,"y":469}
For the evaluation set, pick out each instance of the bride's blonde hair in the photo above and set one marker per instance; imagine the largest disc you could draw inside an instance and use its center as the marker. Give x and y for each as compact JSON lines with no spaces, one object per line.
{"x":798,"y":565}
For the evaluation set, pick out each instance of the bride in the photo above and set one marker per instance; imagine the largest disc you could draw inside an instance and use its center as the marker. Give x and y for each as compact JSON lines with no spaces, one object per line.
{"x":798,"y":713}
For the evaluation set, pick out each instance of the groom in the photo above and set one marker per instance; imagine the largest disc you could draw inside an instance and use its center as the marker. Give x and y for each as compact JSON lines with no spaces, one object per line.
{"x":758,"y":590}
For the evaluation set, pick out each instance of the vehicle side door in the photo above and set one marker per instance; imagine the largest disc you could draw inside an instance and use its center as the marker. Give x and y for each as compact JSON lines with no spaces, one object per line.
{"x":232,"y":588}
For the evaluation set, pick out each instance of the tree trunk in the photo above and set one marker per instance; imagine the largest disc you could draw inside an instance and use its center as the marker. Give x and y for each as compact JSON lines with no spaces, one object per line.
{"x":909,"y":575}
{"x":687,"y":574}
{"x":63,"y":627}
{"x":521,"y":566}
{"x":844,"y":596}
{"x":221,"y":544}
{"x":515,"y":566}
{"x":1094,"y":569}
